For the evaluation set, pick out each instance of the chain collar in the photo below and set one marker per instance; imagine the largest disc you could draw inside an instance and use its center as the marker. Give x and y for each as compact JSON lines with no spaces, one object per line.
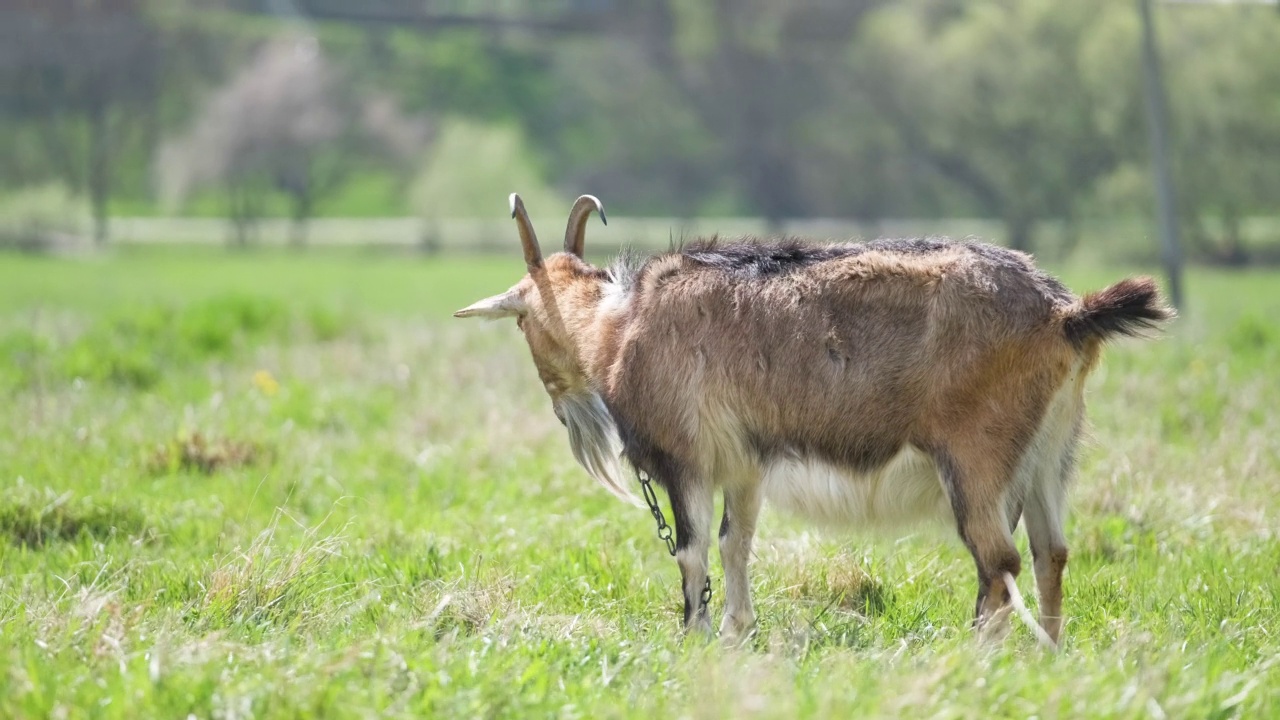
{"x":664,"y":530}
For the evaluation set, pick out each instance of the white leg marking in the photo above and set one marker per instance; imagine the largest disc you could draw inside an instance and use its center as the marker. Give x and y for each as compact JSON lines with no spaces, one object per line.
{"x":742,"y":508}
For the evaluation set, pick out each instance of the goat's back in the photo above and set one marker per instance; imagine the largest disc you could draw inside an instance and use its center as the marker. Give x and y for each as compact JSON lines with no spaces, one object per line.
{"x":844,"y":352}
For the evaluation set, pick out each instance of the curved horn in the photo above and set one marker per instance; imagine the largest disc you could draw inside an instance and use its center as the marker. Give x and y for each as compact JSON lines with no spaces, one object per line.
{"x":528,"y":240}
{"x":574,"y":235}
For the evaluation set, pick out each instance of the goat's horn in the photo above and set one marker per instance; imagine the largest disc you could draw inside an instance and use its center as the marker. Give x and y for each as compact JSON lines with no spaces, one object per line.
{"x":528,"y":240}
{"x":574,"y":235}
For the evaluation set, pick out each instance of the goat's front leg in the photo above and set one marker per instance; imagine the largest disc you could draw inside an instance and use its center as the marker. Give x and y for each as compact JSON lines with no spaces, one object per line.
{"x":737,"y":529}
{"x":692,"y":504}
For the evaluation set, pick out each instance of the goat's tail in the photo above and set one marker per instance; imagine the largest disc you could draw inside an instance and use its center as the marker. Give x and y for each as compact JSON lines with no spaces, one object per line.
{"x":1131,"y":307}
{"x":1020,"y":609}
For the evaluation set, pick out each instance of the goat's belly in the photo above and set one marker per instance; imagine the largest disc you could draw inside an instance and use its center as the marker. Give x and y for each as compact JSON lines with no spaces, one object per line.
{"x":906,"y":490}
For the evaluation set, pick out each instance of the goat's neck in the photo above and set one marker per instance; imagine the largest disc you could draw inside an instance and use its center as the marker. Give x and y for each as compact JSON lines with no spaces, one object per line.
{"x":594,"y":322}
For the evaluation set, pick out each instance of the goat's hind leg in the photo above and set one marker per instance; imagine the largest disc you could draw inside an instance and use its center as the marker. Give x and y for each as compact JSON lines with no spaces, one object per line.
{"x":737,"y":529}
{"x":1045,"y":512}
{"x":978,"y":484}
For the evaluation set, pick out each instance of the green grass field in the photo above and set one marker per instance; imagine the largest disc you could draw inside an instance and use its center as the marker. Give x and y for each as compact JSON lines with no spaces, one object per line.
{"x":267,"y":485}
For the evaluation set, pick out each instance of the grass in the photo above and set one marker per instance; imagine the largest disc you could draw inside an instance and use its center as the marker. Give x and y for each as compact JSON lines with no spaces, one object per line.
{"x":327,"y":498}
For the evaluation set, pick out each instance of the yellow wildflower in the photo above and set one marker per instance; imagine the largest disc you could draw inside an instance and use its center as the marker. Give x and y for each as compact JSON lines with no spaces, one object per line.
{"x":266,"y":382}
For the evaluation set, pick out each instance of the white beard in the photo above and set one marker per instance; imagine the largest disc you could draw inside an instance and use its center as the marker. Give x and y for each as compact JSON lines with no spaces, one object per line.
{"x":593,"y":436}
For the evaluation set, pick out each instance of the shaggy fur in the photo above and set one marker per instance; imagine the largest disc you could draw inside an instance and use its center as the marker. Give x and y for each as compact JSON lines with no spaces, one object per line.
{"x":874,"y":383}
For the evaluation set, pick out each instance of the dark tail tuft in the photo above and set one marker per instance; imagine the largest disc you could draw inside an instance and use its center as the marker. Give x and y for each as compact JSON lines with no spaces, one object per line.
{"x":1130,"y":308}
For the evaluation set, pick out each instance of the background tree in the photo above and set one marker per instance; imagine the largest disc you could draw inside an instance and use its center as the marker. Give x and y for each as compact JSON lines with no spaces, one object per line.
{"x":286,"y":122}
{"x":707,"y":107}
{"x":1001,"y":99}
{"x":1226,"y":115}
{"x":1026,"y":112}
{"x":81,"y":79}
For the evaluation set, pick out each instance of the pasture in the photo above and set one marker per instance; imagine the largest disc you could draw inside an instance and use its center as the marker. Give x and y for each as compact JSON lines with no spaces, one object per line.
{"x":276,"y":485}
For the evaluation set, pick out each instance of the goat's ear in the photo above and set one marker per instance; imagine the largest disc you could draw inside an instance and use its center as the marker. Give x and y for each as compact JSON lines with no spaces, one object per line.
{"x":574,"y":235}
{"x":508,"y":304}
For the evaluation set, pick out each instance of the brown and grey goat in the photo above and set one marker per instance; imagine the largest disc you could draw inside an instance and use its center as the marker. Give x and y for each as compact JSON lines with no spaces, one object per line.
{"x":876,"y":383}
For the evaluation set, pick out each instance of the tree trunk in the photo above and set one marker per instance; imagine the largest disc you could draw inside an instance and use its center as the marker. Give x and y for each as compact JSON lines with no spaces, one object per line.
{"x":1070,"y":236}
{"x":1233,"y":252}
{"x":99,"y":182}
{"x":242,"y":215}
{"x":1192,"y":226}
{"x":1019,"y":232}
{"x":429,"y":240}
{"x":301,"y":215}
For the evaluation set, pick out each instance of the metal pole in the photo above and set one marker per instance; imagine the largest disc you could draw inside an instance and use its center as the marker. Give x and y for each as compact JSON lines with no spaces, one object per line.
{"x":1157,"y":122}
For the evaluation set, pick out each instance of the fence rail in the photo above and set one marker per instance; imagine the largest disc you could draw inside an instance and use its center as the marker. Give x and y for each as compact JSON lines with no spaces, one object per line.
{"x":1101,"y":239}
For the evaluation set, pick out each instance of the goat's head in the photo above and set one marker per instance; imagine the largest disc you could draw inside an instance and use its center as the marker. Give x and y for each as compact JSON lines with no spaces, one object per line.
{"x":547,"y":303}
{"x":554,"y":306}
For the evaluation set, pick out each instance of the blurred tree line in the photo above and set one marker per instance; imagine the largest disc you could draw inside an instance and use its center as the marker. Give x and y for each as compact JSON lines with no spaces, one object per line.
{"x":1025,"y":111}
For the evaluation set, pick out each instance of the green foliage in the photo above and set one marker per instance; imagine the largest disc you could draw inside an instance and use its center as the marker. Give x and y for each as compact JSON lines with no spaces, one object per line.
{"x":1008,"y":101}
{"x":415,"y":540}
{"x":1225,"y":115}
{"x":473,"y":166}
{"x":1029,"y":112}
{"x":135,"y":346}
{"x":25,"y":351}
{"x":132,"y":347}
{"x":33,"y":520}
{"x":1252,"y":334}
{"x":462,"y":72}
{"x":371,"y":193}
{"x":37,"y":218}
{"x":624,"y":124}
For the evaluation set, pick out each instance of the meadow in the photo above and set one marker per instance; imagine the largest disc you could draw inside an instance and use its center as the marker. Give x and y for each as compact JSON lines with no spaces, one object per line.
{"x":269,"y":485}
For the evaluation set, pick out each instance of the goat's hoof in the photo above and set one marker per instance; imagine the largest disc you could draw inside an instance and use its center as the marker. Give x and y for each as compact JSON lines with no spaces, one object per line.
{"x":735,"y":632}
{"x":992,"y":629}
{"x":699,"y":627}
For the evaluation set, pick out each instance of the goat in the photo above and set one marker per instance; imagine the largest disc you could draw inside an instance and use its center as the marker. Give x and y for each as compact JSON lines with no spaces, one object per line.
{"x":873,"y":384}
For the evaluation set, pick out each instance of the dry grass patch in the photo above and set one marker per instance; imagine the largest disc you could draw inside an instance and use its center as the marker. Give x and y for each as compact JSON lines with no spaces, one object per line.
{"x":193,"y":452}
{"x":265,"y":583}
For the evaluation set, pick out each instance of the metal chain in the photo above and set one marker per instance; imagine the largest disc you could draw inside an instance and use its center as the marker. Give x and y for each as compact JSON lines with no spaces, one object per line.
{"x":664,"y":530}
